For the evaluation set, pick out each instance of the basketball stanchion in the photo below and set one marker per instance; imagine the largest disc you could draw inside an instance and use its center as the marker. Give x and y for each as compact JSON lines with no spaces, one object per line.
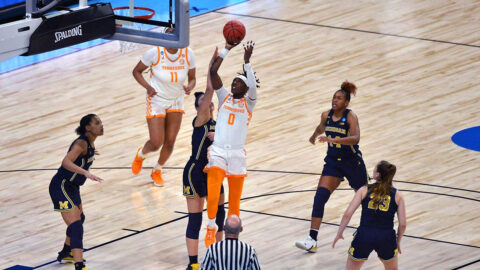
{"x":126,"y":46}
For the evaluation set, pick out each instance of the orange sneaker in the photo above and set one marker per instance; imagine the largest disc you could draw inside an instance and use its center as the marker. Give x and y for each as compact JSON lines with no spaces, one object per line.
{"x":157,"y":178}
{"x":137,"y":162}
{"x":210,"y":236}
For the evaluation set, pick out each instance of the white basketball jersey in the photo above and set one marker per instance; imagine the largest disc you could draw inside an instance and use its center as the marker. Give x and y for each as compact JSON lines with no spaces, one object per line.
{"x":232,"y":123}
{"x":169,"y":71}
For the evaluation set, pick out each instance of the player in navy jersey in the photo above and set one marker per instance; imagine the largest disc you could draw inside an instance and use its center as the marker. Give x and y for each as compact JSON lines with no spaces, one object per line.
{"x":343,"y":159}
{"x":194,"y":179}
{"x":65,"y":187}
{"x":380,"y":201}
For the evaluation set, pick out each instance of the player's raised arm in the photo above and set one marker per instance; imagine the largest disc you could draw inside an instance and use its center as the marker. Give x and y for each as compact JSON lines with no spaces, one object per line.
{"x":251,"y":80}
{"x":216,"y":80}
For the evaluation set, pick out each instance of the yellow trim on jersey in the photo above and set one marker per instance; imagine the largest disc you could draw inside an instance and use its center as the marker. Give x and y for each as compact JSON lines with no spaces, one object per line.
{"x":66,"y":195}
{"x":190,"y":179}
{"x":394,"y":256}
{"x":203,"y":140}
{"x":81,"y":166}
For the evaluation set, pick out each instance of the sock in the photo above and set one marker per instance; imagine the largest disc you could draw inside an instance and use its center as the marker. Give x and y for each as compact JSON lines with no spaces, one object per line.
{"x":193,"y":259}
{"x":212,"y":223}
{"x":141,"y":154}
{"x":313,"y":234}
{"x":214,"y":184}
{"x":157,"y":167}
{"x":235,"y":186}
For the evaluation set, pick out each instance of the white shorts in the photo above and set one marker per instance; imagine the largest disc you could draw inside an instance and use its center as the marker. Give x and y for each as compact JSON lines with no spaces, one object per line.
{"x":232,"y":161}
{"x":159,"y":107}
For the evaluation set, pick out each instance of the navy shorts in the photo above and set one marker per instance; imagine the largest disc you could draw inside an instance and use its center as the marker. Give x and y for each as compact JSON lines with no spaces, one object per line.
{"x":64,"y":194}
{"x":195,"y":180}
{"x":351,"y":168}
{"x":383,"y":241}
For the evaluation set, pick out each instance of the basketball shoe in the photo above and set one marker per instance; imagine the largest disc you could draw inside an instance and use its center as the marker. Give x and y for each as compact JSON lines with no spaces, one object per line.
{"x":137,"y":162}
{"x":157,"y":178}
{"x":65,"y":257}
{"x":193,"y":266}
{"x":80,"y":266}
{"x":210,"y":236}
{"x":308,"y":244}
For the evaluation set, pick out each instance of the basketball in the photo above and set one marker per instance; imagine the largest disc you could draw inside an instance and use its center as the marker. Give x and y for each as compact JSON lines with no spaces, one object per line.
{"x":234,"y":32}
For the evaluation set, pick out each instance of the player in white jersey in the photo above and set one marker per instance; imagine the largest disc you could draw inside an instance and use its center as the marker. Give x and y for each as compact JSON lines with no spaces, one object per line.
{"x":226,"y":156}
{"x":169,"y":68}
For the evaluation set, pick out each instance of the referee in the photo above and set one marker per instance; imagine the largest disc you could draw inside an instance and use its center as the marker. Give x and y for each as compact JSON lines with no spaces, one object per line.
{"x":231,"y":253}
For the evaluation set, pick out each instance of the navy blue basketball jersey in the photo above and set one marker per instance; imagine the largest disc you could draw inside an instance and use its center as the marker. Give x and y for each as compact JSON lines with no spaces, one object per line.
{"x":379,"y":216}
{"x":82,"y":161}
{"x":340,"y":128}
{"x":200,"y":141}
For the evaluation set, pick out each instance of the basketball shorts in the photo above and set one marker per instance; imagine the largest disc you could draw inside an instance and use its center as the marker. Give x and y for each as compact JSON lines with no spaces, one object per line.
{"x":195,"y":180}
{"x":383,"y":241}
{"x":64,"y":195}
{"x":352,"y":168}
{"x":159,"y":107}
{"x":232,"y":161}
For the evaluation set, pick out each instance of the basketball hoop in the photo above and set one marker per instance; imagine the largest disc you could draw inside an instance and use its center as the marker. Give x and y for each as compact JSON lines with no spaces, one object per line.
{"x":126,"y":46}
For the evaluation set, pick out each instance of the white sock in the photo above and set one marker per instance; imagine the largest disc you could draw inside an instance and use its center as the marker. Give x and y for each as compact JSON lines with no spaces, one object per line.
{"x":211,"y":223}
{"x":141,"y":154}
{"x":157,"y":167}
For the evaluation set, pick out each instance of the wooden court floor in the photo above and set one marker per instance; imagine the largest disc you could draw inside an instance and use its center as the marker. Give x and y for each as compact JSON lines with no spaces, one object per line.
{"x":417,"y":67}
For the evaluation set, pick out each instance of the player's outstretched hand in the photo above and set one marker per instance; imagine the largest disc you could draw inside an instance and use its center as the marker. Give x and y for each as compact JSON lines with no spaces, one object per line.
{"x":248,"y":47}
{"x":338,"y":237}
{"x":312,"y":139}
{"x":93,"y":177}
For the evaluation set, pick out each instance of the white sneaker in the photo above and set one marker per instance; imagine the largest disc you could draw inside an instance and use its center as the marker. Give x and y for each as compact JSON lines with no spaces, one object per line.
{"x":308,"y":244}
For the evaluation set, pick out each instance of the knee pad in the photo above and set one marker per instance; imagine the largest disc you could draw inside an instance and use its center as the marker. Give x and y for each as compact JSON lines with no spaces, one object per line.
{"x":321,"y":197}
{"x":194,"y":224}
{"x":82,"y":217}
{"x":76,"y":234}
{"x":220,"y":219}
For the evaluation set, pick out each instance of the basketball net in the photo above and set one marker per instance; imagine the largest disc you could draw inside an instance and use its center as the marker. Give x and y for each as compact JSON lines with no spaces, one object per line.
{"x":125,"y":46}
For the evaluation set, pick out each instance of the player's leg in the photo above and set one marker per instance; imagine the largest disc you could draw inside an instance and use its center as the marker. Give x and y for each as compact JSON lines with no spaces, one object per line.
{"x":353,"y":264}
{"x":235,"y":187}
{"x":386,"y":248}
{"x":195,"y":208}
{"x":220,"y":219}
{"x":75,"y":231}
{"x":215,"y":177}
{"x":156,"y":130}
{"x":329,"y":181}
{"x":356,"y":172}
{"x":173,"y":122}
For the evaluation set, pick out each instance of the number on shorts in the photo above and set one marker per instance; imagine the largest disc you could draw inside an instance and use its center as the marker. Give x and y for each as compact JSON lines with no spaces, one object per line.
{"x":336,"y":144}
{"x":231,"y":119}
{"x":174,"y":76}
{"x":383,"y":206}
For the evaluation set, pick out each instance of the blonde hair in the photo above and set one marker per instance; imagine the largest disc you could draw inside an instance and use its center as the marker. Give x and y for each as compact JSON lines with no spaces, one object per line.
{"x":383,"y":186}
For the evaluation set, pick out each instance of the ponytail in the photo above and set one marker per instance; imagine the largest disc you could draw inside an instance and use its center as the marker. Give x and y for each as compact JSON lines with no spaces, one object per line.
{"x":383,"y":186}
{"x":348,"y":88}
{"x":85,"y":121}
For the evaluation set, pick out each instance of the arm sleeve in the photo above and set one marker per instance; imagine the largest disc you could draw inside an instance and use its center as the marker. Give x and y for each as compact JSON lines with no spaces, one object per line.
{"x":191,"y":58}
{"x":221,"y":94}
{"x":149,"y":57}
{"x":252,"y":84}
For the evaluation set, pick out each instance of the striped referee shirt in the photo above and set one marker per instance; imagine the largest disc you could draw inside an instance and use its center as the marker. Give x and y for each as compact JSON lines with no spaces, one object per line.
{"x":230,"y":254}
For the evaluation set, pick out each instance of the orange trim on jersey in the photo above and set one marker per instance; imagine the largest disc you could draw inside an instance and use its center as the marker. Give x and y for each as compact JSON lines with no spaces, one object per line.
{"x":175,"y":110}
{"x":216,"y":167}
{"x":236,"y":175}
{"x":179,"y":55}
{"x":246,"y":107}
{"x":151,"y":116}
{"x":228,"y":95}
{"x":186,"y":56}
{"x":158,"y":57}
{"x":149,"y":105}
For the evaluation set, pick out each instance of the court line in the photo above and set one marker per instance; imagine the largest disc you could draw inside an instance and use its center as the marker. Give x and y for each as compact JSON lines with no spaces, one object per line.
{"x":121,"y":238}
{"x":250,"y":170}
{"x":348,"y":29}
{"x":334,"y":224}
{"x":467,"y":264}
